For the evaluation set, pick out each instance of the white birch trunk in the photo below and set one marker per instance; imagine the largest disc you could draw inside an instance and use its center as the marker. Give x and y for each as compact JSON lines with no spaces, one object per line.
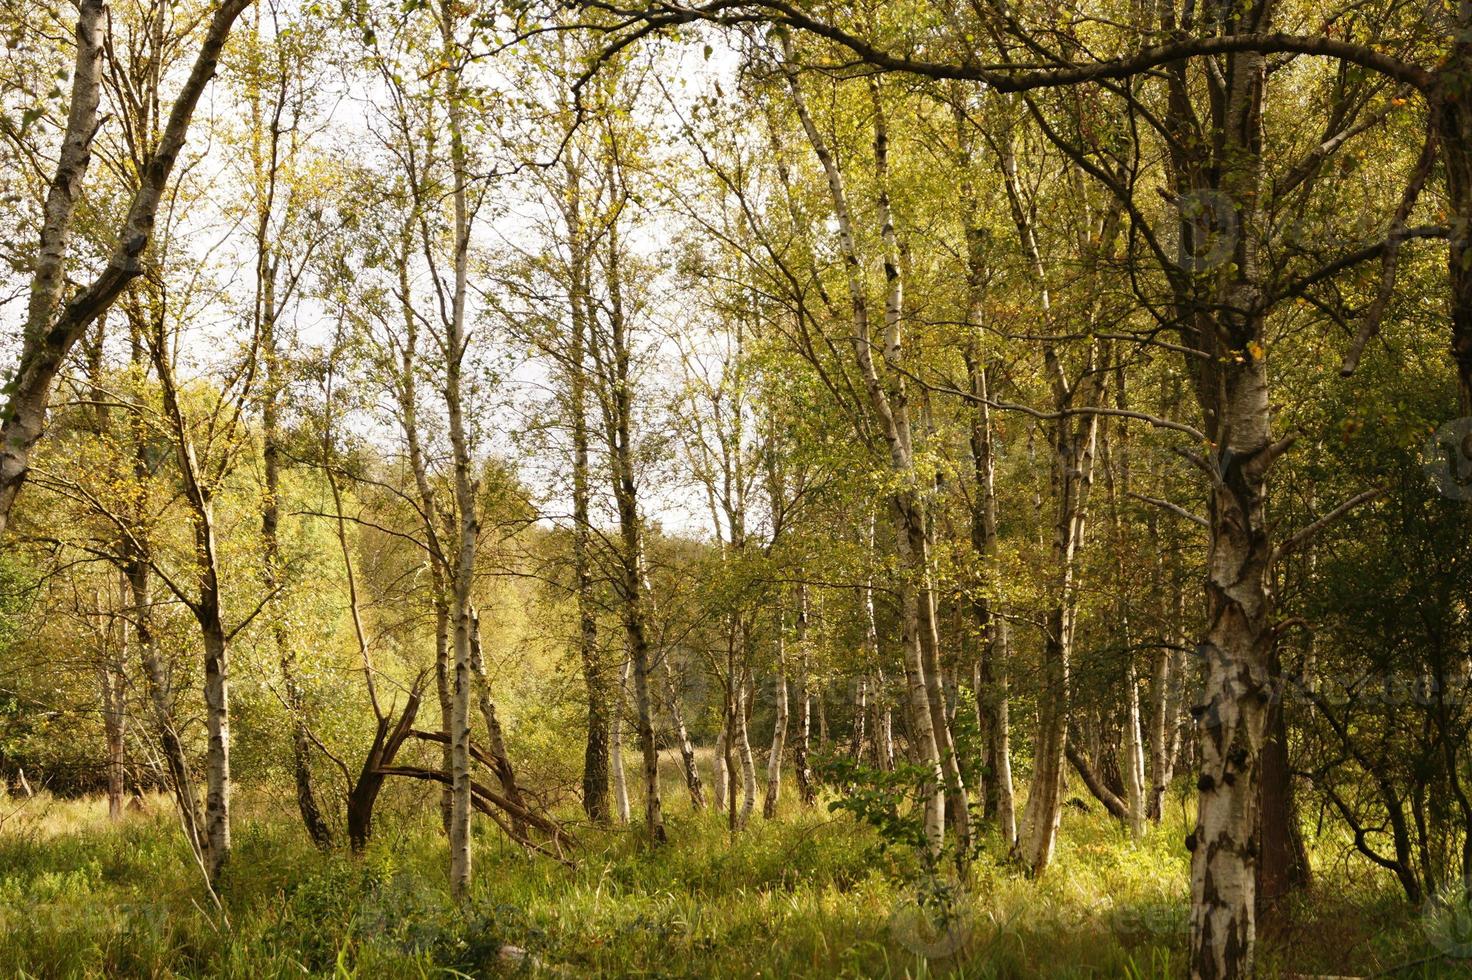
{"x":621,"y":810}
{"x":779,"y":728}
{"x":894,"y":424}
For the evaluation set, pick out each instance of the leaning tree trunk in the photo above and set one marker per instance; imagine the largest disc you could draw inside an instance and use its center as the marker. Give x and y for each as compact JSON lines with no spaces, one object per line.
{"x":53,"y":328}
{"x":892,"y":413}
{"x":677,"y":714}
{"x":495,"y":741}
{"x":388,"y":737}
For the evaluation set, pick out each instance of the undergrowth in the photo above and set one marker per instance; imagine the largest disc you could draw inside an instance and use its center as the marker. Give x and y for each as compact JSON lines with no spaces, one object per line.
{"x":809,"y":895}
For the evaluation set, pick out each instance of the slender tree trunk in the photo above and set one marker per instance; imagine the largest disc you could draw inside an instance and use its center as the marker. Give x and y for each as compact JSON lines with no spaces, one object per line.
{"x":616,"y":749}
{"x":748,"y":761}
{"x":1074,"y":448}
{"x":301,"y":751}
{"x":407,"y":393}
{"x":595,"y":756}
{"x":1134,"y":752}
{"x":217,"y":755}
{"x":720,"y":766}
{"x":1133,"y":747}
{"x":595,"y":671}
{"x":890,"y":407}
{"x":883,"y":724}
{"x":21,"y":422}
{"x":160,"y":695}
{"x":807,"y":791}
{"x":114,"y":725}
{"x":635,"y":629}
{"x":625,"y":489}
{"x":880,"y":698}
{"x":207,"y":608}
{"x":1161,"y":717}
{"x":265,"y":172}
{"x":1282,"y":866}
{"x":677,"y":714}
{"x":779,"y":725}
{"x":462,"y":580}
{"x":138,"y":570}
{"x":858,"y":736}
{"x":992,"y":666}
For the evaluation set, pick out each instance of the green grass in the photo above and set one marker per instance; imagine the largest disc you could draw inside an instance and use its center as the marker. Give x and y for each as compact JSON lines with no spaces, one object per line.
{"x":806,"y":896}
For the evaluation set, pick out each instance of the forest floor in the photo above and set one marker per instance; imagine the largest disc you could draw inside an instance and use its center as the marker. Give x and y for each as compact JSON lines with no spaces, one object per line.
{"x":807,"y":895}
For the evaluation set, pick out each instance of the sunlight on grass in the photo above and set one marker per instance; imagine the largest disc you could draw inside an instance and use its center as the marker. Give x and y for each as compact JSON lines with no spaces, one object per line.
{"x":808,"y":895}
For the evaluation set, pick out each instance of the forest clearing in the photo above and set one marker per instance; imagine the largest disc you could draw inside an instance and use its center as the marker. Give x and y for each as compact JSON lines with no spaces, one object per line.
{"x":736,"y":488}
{"x":804,"y":896}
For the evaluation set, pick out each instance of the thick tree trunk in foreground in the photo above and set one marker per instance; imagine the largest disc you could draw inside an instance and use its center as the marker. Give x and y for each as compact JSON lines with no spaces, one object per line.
{"x":1232,"y":717}
{"x":1233,"y":393}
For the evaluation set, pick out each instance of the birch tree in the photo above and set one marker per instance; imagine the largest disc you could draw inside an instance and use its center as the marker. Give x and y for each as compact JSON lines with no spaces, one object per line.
{"x":53,"y":324}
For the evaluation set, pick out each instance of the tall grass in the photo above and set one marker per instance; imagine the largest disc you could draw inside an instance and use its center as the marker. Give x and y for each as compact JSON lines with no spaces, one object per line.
{"x":808,"y":895}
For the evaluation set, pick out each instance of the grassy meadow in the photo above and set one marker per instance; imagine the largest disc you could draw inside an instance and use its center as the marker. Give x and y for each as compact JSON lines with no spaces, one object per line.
{"x":807,"y":895}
